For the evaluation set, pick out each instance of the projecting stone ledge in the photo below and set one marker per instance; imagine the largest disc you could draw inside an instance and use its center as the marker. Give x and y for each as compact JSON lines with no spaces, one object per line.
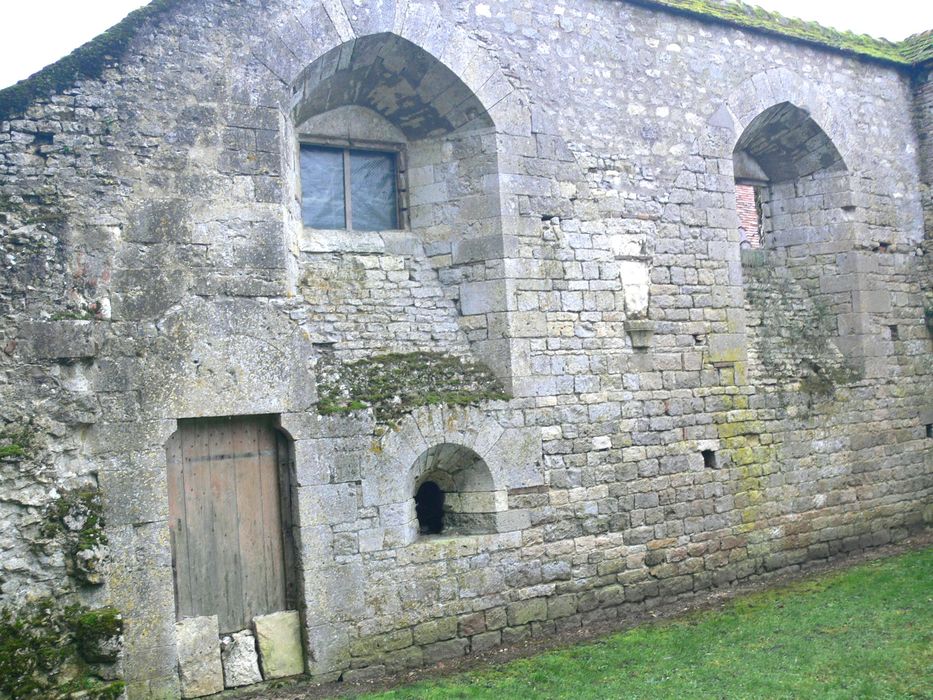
{"x":640,"y":331}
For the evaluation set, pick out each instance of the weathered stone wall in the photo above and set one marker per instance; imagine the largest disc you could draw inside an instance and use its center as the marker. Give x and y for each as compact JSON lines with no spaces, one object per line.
{"x":923,"y":113}
{"x":155,"y":268}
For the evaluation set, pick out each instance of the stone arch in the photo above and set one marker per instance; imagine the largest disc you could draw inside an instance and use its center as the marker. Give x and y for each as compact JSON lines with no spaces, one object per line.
{"x":511,"y":459}
{"x":450,"y":202}
{"x":448,"y":142}
{"x":767,"y":97}
{"x":762,"y":91}
{"x":469,"y":495}
{"x":395,"y":78}
{"x":481,"y":255}
{"x":807,"y":218}
{"x":291,"y":47}
{"x":786,"y":143}
{"x":801,"y":174}
{"x":482,"y":258}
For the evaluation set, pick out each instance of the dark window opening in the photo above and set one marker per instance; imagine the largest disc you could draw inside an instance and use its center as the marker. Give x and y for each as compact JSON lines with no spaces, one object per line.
{"x":894,"y":333}
{"x":43,"y":138}
{"x":709,"y":459}
{"x":930,"y":430}
{"x":344,"y":188}
{"x":429,"y":507}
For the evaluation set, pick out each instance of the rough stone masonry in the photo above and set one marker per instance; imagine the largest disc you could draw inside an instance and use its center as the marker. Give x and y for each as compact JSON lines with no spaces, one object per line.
{"x":211,"y":410}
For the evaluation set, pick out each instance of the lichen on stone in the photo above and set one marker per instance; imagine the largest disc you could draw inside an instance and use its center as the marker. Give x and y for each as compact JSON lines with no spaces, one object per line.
{"x":794,"y":337}
{"x":397,"y":383}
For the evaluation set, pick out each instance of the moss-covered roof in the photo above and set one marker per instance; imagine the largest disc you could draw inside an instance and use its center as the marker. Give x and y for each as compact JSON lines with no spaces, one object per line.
{"x":913,"y":50}
{"x":918,"y":48}
{"x":89,"y":60}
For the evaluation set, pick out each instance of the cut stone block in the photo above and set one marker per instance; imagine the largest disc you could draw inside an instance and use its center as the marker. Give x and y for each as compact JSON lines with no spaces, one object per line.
{"x":280,"y":650}
{"x":241,"y":662}
{"x":198,"y":646}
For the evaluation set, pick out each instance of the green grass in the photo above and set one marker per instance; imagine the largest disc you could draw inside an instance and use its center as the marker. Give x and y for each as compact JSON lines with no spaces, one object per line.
{"x":863,"y":633}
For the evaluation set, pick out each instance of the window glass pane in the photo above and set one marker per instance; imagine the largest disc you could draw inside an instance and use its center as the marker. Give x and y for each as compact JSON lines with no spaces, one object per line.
{"x":322,"y":193}
{"x":374,"y":201}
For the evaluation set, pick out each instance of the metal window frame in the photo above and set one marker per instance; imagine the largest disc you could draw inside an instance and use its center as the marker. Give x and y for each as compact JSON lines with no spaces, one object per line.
{"x":346,"y":146}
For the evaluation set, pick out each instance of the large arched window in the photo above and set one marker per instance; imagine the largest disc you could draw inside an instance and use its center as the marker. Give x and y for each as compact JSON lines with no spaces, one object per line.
{"x":805,"y":214}
{"x":394,"y":139}
{"x":394,"y":155}
{"x":799,"y":175}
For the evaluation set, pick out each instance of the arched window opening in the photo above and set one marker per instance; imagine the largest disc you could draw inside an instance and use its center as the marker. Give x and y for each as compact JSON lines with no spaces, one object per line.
{"x":806,"y":217}
{"x":393,"y":139}
{"x":393,"y":154}
{"x":790,"y":180}
{"x":454,"y":492}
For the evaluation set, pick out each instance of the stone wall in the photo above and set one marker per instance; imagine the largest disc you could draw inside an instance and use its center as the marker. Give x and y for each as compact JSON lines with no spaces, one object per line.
{"x":680,"y":417}
{"x":923,"y":111}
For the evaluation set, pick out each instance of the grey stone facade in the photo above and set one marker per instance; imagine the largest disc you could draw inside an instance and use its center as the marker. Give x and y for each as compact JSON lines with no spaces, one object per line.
{"x":681,"y":416}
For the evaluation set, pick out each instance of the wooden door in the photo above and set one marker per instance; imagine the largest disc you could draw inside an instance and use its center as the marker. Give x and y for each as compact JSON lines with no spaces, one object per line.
{"x":226,"y":518}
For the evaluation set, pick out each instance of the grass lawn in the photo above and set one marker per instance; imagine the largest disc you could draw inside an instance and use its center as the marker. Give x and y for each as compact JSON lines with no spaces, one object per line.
{"x":866,"y":632}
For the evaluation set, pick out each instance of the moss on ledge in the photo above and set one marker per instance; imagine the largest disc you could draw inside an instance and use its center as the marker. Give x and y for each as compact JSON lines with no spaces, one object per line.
{"x":77,"y":519}
{"x":396,"y":384}
{"x":17,"y":441}
{"x":87,"y":62}
{"x":47,"y":650}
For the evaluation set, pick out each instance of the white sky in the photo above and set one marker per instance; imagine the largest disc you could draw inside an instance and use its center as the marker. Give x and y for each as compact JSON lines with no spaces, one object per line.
{"x":35,"y":33}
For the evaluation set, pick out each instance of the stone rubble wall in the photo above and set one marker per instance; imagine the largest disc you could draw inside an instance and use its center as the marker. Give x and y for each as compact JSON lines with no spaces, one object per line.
{"x":153,"y":270}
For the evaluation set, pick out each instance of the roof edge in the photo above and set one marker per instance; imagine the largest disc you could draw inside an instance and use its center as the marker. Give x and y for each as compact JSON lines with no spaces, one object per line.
{"x":908,"y":53}
{"x":89,"y":61}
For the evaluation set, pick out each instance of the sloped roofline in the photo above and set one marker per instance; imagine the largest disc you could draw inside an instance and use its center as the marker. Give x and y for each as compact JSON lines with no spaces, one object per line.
{"x":88,"y":61}
{"x":912,"y":51}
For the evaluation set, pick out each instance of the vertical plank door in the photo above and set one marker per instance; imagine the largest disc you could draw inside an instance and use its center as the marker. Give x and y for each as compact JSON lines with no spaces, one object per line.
{"x":226,"y":520}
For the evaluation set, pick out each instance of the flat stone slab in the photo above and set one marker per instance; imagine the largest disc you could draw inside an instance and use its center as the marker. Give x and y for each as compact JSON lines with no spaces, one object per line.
{"x":240,"y":660}
{"x":198,"y":645}
{"x":280,"y":650}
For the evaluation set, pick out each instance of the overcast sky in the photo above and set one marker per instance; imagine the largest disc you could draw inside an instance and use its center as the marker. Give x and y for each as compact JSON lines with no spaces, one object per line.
{"x":35,"y":33}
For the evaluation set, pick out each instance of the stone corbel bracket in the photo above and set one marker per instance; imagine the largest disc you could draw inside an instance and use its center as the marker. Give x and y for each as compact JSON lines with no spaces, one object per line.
{"x":640,"y":332}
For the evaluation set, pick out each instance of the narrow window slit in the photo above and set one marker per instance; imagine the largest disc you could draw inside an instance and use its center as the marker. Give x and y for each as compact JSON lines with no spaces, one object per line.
{"x":709,"y":459}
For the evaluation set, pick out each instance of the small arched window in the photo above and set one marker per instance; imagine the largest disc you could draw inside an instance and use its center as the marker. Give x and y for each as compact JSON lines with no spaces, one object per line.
{"x":454,"y":493}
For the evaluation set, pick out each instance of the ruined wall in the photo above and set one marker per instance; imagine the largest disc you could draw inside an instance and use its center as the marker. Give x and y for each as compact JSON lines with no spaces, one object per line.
{"x":155,"y":268}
